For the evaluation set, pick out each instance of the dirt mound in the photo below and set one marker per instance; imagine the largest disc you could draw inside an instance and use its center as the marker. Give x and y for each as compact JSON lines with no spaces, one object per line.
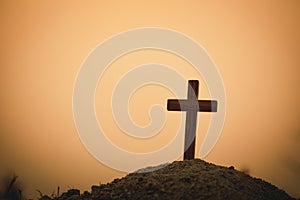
{"x":191,"y":179}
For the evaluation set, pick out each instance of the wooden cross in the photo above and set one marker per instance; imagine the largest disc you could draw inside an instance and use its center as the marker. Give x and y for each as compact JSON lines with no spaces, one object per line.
{"x":191,"y":105}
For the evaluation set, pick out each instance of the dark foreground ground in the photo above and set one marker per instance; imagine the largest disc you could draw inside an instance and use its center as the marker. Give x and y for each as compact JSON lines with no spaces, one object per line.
{"x":192,"y":179}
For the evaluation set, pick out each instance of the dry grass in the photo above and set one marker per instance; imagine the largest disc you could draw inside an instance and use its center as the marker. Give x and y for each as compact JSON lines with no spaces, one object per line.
{"x":11,"y":190}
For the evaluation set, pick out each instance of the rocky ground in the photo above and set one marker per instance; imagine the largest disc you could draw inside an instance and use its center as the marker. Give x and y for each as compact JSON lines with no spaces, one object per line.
{"x":191,"y":179}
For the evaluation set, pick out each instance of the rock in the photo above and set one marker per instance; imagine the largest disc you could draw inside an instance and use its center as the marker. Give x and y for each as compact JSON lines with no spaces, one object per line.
{"x":151,"y":168}
{"x":70,"y":194}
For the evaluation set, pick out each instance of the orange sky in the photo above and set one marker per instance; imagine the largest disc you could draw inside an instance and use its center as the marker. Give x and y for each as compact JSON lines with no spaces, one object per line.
{"x":43,"y":44}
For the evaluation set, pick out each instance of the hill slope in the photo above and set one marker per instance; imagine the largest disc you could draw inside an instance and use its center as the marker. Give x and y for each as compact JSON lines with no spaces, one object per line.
{"x":191,"y":179}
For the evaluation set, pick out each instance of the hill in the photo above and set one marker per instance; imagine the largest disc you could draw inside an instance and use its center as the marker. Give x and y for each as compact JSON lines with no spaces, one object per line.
{"x":190,"y":179}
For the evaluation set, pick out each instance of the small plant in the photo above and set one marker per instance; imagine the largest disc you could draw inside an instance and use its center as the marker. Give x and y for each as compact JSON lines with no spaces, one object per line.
{"x":12,"y":190}
{"x":40,"y":193}
{"x":54,"y":195}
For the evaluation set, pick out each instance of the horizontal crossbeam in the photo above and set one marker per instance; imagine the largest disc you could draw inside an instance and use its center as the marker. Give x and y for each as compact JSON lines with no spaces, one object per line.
{"x":187,"y":105}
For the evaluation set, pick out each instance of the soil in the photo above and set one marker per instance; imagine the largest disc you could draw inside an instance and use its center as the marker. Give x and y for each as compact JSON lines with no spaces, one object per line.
{"x":190,"y":179}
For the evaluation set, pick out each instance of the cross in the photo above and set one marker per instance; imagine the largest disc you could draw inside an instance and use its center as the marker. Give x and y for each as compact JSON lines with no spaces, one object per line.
{"x":191,"y":106}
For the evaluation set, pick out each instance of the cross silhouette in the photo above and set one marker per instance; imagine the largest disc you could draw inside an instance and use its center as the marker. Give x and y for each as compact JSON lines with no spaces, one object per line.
{"x":191,"y":106}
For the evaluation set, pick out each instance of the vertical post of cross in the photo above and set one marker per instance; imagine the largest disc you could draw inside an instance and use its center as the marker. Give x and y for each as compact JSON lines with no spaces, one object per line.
{"x":191,"y":121}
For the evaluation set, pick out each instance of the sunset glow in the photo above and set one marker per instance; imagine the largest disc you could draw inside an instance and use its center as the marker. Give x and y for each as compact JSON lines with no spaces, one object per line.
{"x":255,"y":46}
